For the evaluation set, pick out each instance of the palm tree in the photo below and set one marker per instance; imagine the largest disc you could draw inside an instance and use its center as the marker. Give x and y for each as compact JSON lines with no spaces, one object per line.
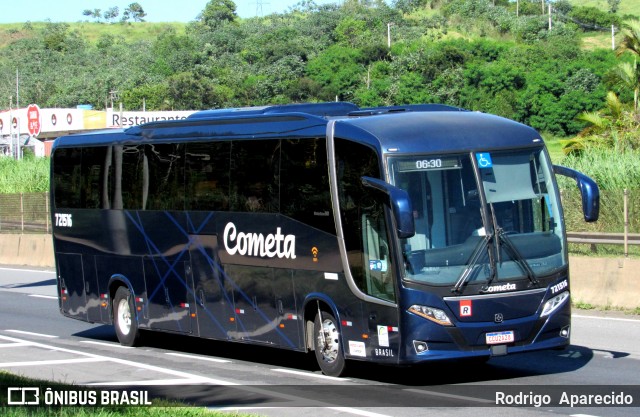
{"x":631,"y":39}
{"x":612,"y":127}
{"x":628,"y":73}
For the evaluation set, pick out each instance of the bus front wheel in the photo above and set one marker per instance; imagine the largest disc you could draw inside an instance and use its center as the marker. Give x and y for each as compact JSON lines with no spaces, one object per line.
{"x":327,"y":345}
{"x":124,"y":318}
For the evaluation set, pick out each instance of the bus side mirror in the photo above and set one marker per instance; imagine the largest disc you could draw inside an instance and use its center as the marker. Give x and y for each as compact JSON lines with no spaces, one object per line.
{"x":588,"y":190}
{"x":400,"y":205}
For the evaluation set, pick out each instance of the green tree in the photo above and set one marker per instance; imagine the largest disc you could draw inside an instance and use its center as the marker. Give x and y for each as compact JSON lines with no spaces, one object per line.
{"x":628,"y":73}
{"x":55,"y":36}
{"x":338,"y":71}
{"x":134,"y":11}
{"x":112,"y":13}
{"x":95,"y":13}
{"x":631,"y":39}
{"x":174,"y":53}
{"x":151,"y":96}
{"x":218,"y":12}
{"x":188,"y":90}
{"x":612,"y":127}
{"x":613,"y":5}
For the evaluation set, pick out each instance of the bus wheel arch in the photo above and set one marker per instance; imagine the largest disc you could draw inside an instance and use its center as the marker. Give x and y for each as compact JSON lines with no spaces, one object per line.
{"x":125,"y":320}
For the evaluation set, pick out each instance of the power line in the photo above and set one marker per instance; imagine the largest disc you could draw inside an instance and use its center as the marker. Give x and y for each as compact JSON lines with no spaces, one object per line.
{"x":259,"y":9}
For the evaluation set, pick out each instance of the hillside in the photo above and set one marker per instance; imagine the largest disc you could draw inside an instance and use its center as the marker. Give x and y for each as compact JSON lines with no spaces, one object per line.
{"x":91,"y":32}
{"x":467,"y":53}
{"x":627,"y":7}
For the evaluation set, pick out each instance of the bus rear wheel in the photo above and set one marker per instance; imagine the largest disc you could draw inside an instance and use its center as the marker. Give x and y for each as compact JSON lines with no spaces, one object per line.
{"x":124,"y":318}
{"x":327,"y":345}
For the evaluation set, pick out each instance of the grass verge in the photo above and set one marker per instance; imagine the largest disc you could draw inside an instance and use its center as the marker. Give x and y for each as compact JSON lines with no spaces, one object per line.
{"x":580,"y":305}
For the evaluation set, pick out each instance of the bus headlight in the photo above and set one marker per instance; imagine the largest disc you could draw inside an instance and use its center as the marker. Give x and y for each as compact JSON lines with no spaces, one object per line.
{"x":553,"y":303}
{"x":434,"y":314}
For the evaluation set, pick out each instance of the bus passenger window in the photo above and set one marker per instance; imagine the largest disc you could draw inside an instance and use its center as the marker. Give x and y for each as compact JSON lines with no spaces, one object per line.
{"x":164,"y":181}
{"x":67,"y":177}
{"x":254,"y":182}
{"x":304,"y":183}
{"x":207,"y":176}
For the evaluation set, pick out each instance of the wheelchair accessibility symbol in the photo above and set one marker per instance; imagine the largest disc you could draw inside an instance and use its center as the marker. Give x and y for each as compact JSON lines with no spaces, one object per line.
{"x":484,"y":160}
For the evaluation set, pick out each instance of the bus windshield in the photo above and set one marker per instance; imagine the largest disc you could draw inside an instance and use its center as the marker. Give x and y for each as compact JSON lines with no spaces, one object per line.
{"x":481,"y":218}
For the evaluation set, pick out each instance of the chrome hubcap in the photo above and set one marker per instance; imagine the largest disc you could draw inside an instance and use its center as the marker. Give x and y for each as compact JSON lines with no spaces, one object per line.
{"x":330,"y":346}
{"x":124,"y":317}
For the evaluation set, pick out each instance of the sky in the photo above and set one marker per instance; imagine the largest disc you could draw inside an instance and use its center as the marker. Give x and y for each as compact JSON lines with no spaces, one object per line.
{"x":157,"y":10}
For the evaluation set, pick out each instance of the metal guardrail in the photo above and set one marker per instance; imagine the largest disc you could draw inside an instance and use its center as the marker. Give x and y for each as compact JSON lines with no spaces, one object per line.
{"x":603,"y":238}
{"x":597,"y":238}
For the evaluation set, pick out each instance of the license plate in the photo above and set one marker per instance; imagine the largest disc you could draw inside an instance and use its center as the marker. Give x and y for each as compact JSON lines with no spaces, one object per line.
{"x":496,"y":338}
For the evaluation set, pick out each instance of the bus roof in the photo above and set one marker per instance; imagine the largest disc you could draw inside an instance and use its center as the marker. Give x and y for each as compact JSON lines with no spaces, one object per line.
{"x":391,"y":129}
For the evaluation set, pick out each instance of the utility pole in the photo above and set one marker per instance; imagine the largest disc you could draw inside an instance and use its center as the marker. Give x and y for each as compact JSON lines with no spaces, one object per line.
{"x":17,"y":90}
{"x":549,"y":16}
{"x":389,"y":34}
{"x":613,"y":38}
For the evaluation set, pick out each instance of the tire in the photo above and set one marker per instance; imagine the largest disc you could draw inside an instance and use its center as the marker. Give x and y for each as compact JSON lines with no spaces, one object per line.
{"x":327,"y":346}
{"x":124,"y":318}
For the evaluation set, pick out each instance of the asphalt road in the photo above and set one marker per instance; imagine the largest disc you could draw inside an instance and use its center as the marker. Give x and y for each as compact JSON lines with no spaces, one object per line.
{"x":37,"y":341}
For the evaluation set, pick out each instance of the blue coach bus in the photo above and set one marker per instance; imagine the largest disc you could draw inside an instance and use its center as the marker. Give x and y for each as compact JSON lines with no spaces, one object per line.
{"x":397,"y":235}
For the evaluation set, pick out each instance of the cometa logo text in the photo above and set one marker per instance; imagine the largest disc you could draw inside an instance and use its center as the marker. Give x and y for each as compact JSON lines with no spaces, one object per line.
{"x":498,"y":288}
{"x":257,"y":244}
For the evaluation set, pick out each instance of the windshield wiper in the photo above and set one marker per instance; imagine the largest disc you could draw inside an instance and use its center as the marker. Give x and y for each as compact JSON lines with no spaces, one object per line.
{"x":501,"y":237}
{"x":478,"y":252}
{"x":516,"y":256}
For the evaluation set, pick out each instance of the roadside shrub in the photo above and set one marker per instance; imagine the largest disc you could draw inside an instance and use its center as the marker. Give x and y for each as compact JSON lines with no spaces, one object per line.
{"x":593,"y":18}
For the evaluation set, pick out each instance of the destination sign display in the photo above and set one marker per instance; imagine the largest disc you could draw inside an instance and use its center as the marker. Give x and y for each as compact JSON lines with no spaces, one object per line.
{"x":428,"y":164}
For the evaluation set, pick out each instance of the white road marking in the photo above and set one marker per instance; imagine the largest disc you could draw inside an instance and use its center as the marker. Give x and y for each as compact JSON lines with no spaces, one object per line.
{"x":159,"y":369}
{"x":150,"y":382}
{"x":17,"y":344}
{"x":238,"y":409}
{"x":50,"y":336}
{"x":49,"y":297}
{"x":349,"y":410}
{"x":28,"y":270}
{"x":357,"y":411}
{"x":183,"y":377}
{"x":200,"y":358}
{"x":51,"y":362}
{"x":605,"y":318}
{"x":443,"y":394}
{"x":115,"y":345}
{"x":320,"y":376}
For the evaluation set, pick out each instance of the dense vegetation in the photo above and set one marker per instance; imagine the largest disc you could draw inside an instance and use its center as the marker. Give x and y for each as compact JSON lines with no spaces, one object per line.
{"x":495,"y":56}
{"x":30,"y":175}
{"x":478,"y":54}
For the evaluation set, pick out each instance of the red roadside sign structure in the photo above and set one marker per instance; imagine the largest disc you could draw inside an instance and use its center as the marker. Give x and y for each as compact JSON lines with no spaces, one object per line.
{"x":33,"y":119}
